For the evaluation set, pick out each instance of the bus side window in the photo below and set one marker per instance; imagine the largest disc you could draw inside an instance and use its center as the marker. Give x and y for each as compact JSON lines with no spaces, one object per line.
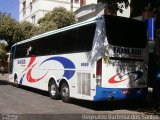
{"x":33,"y":52}
{"x":20,"y":51}
{"x":85,"y":37}
{"x":35,"y":48}
{"x":68,"y":41}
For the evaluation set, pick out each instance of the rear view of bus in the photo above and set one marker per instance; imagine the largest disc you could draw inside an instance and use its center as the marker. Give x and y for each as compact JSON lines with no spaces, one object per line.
{"x":121,"y":70}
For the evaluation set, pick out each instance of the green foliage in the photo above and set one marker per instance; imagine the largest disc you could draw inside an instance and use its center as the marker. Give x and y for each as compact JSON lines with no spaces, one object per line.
{"x":114,"y":4}
{"x":139,"y":5}
{"x":57,"y":18}
{"x":12,"y":31}
{"x":3,"y":51}
{"x":28,"y":29}
{"x":45,"y":26}
{"x":8,"y":29}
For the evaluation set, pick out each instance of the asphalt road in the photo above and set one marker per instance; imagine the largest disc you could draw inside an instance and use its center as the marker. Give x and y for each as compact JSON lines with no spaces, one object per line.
{"x":30,"y":104}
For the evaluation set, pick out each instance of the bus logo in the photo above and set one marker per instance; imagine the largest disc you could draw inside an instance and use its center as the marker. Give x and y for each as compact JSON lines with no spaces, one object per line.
{"x":68,"y":65}
{"x":119,"y":50}
{"x":21,"y":61}
{"x":137,"y":74}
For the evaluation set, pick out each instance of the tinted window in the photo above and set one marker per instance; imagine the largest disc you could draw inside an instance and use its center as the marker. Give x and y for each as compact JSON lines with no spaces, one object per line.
{"x":20,"y":51}
{"x":125,"y":32}
{"x":75,"y":40}
{"x":50,"y":44}
{"x":26,"y":50}
{"x":68,"y":41}
{"x":85,"y":36}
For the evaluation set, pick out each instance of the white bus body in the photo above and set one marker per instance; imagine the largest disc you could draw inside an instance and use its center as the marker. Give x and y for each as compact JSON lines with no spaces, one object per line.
{"x":112,"y":65}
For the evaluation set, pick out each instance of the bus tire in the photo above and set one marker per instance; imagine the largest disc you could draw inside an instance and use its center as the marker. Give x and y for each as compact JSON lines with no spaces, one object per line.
{"x":16,"y":81}
{"x":65,"y":93}
{"x":53,"y":90}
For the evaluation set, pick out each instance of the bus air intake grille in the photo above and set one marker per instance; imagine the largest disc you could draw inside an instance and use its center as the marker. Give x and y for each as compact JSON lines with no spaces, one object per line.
{"x":84,"y":83}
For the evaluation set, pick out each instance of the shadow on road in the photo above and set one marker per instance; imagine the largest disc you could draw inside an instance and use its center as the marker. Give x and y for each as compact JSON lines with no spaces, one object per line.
{"x":4,"y":82}
{"x":139,"y":106}
{"x":44,"y":93}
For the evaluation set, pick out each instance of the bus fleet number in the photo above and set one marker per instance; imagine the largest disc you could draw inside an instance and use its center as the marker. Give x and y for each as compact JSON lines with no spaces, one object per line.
{"x":84,"y":64}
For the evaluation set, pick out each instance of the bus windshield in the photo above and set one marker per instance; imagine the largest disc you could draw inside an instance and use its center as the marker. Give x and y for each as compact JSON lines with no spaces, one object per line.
{"x":125,"y":32}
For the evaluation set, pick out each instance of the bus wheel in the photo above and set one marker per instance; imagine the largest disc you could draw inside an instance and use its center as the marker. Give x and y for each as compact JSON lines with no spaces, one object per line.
{"x":16,"y":81}
{"x":53,"y":90}
{"x":65,"y":92}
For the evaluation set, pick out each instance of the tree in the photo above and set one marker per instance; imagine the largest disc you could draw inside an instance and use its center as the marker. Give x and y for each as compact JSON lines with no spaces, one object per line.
{"x":141,"y":5}
{"x":57,"y":18}
{"x":45,"y":26}
{"x":3,"y":50}
{"x":137,"y":6}
{"x":115,"y":5}
{"x":13,"y":31}
{"x":9,"y":30}
{"x":28,"y":29}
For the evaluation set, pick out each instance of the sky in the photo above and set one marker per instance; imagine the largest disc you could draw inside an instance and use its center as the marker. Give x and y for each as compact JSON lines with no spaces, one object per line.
{"x":11,"y":7}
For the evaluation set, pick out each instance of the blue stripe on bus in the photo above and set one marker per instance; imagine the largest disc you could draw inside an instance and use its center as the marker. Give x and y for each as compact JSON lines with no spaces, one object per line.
{"x":21,"y":80}
{"x":67,"y":64}
{"x":103,"y":94}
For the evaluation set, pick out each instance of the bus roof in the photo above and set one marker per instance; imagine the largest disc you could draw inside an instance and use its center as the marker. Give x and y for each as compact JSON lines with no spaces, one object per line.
{"x":92,"y":20}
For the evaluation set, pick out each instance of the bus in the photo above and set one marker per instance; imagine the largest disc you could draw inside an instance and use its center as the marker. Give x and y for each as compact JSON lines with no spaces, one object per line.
{"x":101,"y":59}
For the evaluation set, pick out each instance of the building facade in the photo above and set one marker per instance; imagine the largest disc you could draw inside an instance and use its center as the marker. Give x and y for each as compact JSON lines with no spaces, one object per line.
{"x":33,"y":10}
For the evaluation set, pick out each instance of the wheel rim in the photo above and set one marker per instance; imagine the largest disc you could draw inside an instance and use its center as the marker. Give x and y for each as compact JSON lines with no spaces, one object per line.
{"x":53,"y":89}
{"x":65,"y":91}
